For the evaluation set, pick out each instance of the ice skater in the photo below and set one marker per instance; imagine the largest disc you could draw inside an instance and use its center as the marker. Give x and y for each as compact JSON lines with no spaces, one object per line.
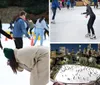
{"x":91,"y":20}
{"x":20,"y":27}
{"x":34,"y":59}
{"x":68,"y":3}
{"x":55,"y":5}
{"x":40,"y":25}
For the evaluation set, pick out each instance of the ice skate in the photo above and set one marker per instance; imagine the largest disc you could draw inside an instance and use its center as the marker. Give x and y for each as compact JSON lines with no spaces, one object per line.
{"x":93,"y":37}
{"x":88,"y":35}
{"x":53,"y":22}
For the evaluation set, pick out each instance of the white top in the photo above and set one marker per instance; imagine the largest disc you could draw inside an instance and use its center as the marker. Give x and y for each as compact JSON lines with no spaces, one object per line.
{"x":42,"y":24}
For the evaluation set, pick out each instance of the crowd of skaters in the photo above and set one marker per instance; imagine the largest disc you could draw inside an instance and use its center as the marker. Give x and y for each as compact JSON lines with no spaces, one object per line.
{"x":32,"y":58}
{"x":20,"y":26}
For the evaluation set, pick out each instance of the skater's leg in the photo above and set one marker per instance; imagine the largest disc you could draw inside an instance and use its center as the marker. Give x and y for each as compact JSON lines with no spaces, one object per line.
{"x":41,"y":36}
{"x":18,"y":43}
{"x":37,"y":34}
{"x":54,"y":13}
{"x":92,"y":19}
{"x":45,"y":34}
{"x":31,"y":31}
{"x":88,"y":26}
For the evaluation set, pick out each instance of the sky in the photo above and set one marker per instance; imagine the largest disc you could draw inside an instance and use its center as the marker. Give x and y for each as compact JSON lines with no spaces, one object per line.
{"x":74,"y":46}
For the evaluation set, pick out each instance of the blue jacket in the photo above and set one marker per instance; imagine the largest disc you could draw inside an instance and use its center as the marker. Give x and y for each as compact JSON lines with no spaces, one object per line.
{"x":68,"y":2}
{"x":19,"y":29}
{"x":55,"y":4}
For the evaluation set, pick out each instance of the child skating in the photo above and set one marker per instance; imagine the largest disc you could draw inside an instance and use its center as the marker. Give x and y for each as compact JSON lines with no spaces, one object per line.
{"x":91,"y":32}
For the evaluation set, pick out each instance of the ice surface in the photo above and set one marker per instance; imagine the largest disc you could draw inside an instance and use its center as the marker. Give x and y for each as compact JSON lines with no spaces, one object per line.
{"x":7,"y":77}
{"x":77,"y":74}
{"x":71,"y":26}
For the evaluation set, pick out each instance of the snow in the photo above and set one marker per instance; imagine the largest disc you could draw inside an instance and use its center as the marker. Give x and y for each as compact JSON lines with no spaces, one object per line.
{"x":77,"y":74}
{"x":7,"y":77}
{"x":71,"y":26}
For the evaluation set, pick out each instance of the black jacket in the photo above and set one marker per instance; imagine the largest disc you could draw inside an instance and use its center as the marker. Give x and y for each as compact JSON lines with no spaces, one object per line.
{"x":89,"y":11}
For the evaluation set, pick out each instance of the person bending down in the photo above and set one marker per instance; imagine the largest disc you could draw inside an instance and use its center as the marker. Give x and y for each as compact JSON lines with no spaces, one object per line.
{"x":33,"y":59}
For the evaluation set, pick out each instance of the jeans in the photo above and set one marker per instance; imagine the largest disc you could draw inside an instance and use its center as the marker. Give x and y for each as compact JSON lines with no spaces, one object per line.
{"x":39,"y":31}
{"x":54,"y":13}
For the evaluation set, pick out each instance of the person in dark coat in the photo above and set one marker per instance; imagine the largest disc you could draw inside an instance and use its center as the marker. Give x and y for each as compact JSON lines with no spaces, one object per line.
{"x":91,"y":20}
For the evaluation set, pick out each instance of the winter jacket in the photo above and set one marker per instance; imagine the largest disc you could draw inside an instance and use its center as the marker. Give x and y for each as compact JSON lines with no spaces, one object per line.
{"x":68,"y":2}
{"x":31,"y":24}
{"x":55,"y":4}
{"x":41,"y":24}
{"x":35,"y":60}
{"x":89,"y":11}
{"x":19,"y":28}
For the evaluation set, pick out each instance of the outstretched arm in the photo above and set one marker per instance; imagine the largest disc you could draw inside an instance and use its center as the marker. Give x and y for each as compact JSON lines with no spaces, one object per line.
{"x":5,"y":34}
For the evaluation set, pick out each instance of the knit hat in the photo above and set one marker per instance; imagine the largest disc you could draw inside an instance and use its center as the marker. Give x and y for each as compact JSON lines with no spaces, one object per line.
{"x":9,"y":53}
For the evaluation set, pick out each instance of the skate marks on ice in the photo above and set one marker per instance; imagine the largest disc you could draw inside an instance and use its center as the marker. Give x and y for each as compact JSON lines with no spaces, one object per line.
{"x":77,"y":74}
{"x":71,"y":26}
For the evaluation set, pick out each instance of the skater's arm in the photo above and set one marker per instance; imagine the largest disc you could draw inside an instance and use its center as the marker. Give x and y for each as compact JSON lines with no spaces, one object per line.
{"x":44,"y":25}
{"x":24,"y":29}
{"x":5,"y":34}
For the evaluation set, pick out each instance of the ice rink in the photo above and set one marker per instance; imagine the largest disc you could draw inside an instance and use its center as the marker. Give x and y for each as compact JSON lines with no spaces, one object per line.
{"x":7,"y":77}
{"x":71,"y":26}
{"x":77,"y":74}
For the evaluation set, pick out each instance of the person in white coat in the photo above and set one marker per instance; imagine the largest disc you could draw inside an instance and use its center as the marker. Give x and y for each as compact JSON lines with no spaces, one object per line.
{"x":40,"y":26}
{"x":33,"y":59}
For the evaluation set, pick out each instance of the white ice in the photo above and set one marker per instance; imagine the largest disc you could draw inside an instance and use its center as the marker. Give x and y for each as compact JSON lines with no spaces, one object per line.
{"x":7,"y":77}
{"x":71,"y":26}
{"x":77,"y":74}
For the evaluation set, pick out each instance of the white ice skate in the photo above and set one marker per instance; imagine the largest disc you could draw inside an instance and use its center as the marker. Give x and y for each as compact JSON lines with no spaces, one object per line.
{"x":53,"y":21}
{"x":88,"y":35}
{"x":93,"y":37}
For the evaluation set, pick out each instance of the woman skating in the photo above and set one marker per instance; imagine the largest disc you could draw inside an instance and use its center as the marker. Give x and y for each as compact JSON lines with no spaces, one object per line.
{"x":40,"y":26}
{"x":91,"y":20}
{"x":33,"y":59}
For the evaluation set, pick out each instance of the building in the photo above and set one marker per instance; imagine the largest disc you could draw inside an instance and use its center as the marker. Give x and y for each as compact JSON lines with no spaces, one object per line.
{"x":53,"y":54}
{"x":63,"y":50}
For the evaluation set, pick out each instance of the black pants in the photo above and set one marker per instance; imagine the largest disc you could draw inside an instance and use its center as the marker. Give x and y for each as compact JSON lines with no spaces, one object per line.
{"x":90,"y":24}
{"x":46,"y":31}
{"x":18,"y":43}
{"x":31,"y":30}
{"x":1,"y":45}
{"x":63,"y":4}
{"x":54,"y":13}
